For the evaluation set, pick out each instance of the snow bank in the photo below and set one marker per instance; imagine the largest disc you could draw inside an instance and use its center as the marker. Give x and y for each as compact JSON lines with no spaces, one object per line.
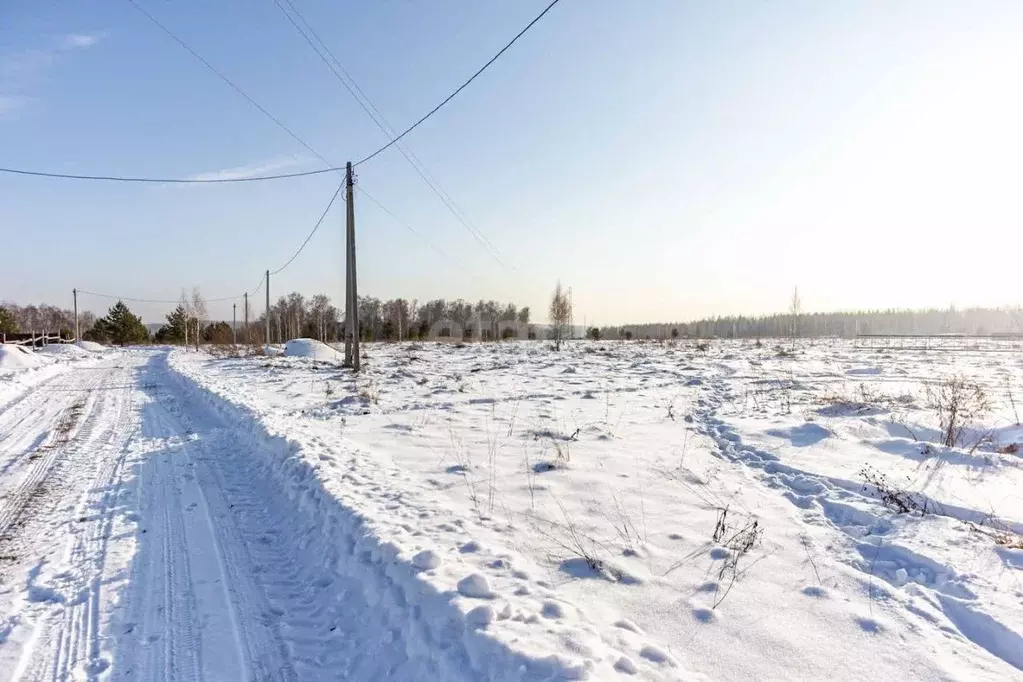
{"x":21,"y":369}
{"x":67,"y":351}
{"x":311,"y":348}
{"x":13,"y":357}
{"x":91,"y":346}
{"x":399,"y":591}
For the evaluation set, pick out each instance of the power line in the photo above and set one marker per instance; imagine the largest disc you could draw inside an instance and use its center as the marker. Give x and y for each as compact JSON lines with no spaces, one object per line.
{"x":278,"y":176}
{"x":259,"y":286}
{"x":227,"y":80}
{"x":155,"y":300}
{"x":378,"y":118}
{"x":461,"y":87}
{"x":262,"y":278}
{"x":315,"y":227}
{"x":408,"y":227}
{"x":122,"y":178}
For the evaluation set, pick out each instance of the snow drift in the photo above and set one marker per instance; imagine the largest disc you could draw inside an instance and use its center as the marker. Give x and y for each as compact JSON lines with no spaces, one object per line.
{"x":13,"y":357}
{"x":66,"y":351}
{"x":313,"y":349}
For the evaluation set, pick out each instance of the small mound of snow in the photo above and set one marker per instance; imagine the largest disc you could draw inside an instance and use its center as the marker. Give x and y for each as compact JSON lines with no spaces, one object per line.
{"x":426,"y":560}
{"x":475,"y":586}
{"x":311,"y":348}
{"x":803,"y":435}
{"x":15,"y":357}
{"x":63,"y":350}
{"x":91,"y":346}
{"x":481,"y":616}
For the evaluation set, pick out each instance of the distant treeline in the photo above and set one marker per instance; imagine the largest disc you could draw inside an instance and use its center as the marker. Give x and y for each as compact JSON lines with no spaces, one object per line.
{"x":399,"y":319}
{"x":42,"y":318}
{"x":974,"y":321}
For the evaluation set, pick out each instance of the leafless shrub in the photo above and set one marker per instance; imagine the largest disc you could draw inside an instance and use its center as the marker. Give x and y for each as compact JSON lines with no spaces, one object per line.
{"x":739,"y":539}
{"x":959,"y":403}
{"x":622,"y":522}
{"x":370,"y":393}
{"x":463,"y":458}
{"x":999,"y":534}
{"x":569,"y":538}
{"x":1012,"y":399}
{"x":891,"y":494}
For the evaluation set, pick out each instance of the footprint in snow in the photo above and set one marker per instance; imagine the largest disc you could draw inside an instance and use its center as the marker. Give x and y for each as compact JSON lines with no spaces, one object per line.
{"x":704,"y":615}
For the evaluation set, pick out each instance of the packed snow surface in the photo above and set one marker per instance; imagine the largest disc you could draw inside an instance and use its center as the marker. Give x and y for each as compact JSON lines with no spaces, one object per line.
{"x":505,"y":512}
{"x":91,"y":346}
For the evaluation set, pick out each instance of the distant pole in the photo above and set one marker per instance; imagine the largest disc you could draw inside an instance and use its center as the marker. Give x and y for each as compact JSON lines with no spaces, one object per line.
{"x":234,"y":324}
{"x":77,"y":337}
{"x":352,"y":355}
{"x":268,"y":307}
{"x":246,"y":314}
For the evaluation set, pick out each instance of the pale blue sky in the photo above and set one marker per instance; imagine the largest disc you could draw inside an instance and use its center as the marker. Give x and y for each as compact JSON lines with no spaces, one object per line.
{"x":666,"y":159}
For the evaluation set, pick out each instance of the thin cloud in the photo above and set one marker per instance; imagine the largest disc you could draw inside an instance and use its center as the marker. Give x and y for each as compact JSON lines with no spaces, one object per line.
{"x":79,"y":41}
{"x":21,"y":71}
{"x":251,"y":170}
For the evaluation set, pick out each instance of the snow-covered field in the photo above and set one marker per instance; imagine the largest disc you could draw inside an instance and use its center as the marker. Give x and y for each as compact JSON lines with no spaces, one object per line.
{"x":505,"y":512}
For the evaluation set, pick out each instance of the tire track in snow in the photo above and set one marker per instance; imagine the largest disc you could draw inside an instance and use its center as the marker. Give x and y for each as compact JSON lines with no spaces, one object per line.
{"x":61,"y":480}
{"x":194,"y":586}
{"x":76,"y":650}
{"x":73,"y":405}
{"x":281,"y":626}
{"x":299,"y":617}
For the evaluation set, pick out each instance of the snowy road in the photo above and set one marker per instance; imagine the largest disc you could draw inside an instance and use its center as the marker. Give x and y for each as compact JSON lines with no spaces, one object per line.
{"x":137,"y":543}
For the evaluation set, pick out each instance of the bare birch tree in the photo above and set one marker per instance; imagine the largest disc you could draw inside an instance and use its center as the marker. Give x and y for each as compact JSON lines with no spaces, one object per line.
{"x":560,"y":314}
{"x":199,"y":314}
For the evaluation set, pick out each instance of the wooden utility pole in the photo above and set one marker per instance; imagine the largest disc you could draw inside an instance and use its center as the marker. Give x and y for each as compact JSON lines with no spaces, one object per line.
{"x":246,"y":314}
{"x":352,"y":355}
{"x":267,"y":308}
{"x":77,"y":334}
{"x":234,"y":324}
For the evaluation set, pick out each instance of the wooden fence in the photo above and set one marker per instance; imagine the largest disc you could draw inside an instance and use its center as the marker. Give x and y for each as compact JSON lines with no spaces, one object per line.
{"x":35,"y":339}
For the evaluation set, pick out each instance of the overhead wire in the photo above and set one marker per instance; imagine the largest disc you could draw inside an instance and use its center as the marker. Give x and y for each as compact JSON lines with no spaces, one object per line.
{"x":315,"y":228}
{"x":362,"y":191}
{"x":462,"y":86}
{"x":378,"y":118}
{"x":122,"y":178}
{"x":278,"y":176}
{"x":155,"y":300}
{"x":229,"y":82}
{"x":259,"y":285}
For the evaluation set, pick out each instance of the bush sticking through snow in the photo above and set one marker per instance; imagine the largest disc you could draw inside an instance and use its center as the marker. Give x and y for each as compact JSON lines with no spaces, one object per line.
{"x":959,"y":403}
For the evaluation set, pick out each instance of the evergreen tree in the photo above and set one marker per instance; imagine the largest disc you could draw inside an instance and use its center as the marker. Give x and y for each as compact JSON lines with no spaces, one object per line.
{"x":8,"y":323}
{"x":174,"y":330}
{"x":217,"y":332}
{"x":120,"y":326}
